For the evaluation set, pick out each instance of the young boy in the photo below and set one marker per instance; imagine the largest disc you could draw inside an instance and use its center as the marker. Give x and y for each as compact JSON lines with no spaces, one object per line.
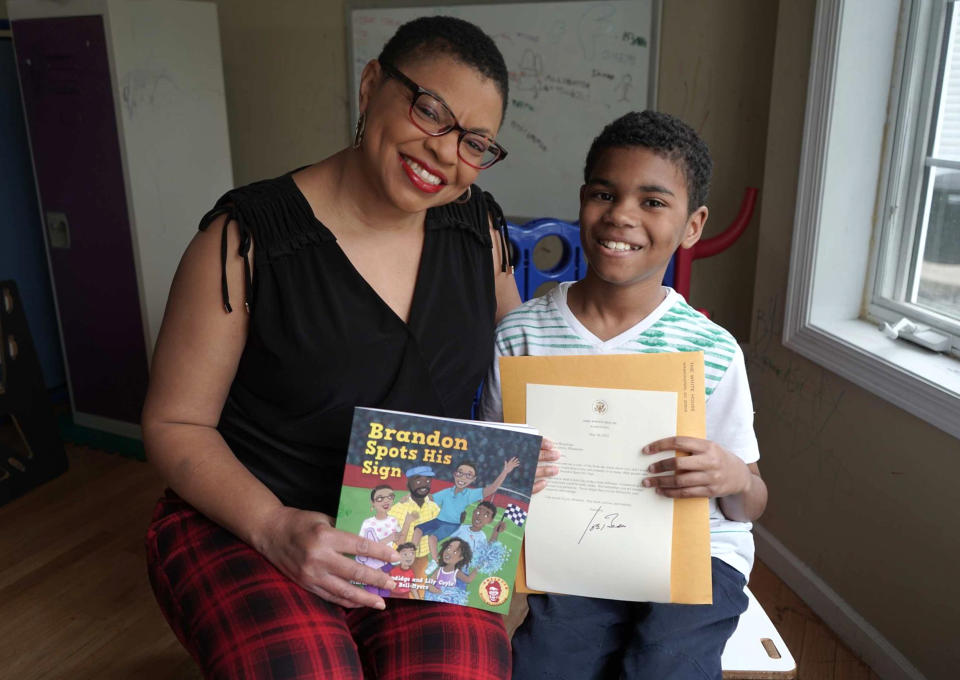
{"x":646,"y":181}
{"x":402,"y":573}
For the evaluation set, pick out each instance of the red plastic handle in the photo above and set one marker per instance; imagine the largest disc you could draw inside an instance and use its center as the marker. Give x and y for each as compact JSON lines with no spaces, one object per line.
{"x":715,"y":244}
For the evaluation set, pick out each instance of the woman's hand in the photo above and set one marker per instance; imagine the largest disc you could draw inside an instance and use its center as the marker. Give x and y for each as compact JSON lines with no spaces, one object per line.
{"x":310,"y":551}
{"x":548,"y":454}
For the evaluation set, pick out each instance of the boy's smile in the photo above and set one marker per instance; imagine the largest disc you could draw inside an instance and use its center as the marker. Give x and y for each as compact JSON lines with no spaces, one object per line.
{"x":633,"y":217}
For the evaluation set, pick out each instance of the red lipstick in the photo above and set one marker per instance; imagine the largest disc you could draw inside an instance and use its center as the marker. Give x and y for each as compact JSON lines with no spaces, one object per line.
{"x":418,"y":181}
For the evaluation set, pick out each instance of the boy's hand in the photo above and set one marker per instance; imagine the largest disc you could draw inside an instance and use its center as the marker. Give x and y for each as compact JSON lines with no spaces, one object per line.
{"x":710,"y":471}
{"x":511,"y":465}
{"x":548,"y":454}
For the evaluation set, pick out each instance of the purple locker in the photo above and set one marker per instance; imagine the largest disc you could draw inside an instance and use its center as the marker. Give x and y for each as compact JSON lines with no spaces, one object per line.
{"x":65,"y":78}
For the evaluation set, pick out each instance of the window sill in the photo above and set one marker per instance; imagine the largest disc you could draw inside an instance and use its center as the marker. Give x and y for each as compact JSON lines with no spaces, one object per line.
{"x":845,"y":127}
{"x":917,"y":380}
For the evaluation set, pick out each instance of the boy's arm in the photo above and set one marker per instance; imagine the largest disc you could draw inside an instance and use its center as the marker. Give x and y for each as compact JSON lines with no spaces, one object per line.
{"x":749,"y":505}
{"x":713,"y":470}
{"x":508,"y":467}
{"x":710,"y":471}
{"x":410,"y":517}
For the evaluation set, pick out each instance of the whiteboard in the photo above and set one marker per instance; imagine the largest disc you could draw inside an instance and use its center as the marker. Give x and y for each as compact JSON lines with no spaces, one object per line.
{"x":573,"y":68}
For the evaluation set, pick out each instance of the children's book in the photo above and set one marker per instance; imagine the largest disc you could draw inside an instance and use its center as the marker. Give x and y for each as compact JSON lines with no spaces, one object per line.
{"x":596,"y":531}
{"x":451,"y":496}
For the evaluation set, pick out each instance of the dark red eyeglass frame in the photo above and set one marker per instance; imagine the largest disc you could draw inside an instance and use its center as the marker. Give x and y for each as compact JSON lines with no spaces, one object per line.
{"x":416,"y":91}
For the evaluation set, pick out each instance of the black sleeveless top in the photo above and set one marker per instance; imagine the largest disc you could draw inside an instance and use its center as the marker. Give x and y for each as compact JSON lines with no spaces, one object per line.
{"x":321,"y":340}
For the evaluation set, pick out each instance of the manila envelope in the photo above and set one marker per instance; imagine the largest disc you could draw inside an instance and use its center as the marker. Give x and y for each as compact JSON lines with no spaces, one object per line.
{"x":681,"y":372}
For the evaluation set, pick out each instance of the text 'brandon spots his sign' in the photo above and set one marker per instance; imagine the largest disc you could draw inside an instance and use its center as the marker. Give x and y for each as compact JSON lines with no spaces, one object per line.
{"x":432,"y":451}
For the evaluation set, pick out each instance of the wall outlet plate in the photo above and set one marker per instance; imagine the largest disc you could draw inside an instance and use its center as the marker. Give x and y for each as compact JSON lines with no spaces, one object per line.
{"x":58,"y":230}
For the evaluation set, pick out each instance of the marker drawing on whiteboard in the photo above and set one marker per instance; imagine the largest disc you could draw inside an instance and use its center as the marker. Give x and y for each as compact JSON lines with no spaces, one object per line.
{"x":530,"y":73}
{"x":595,"y":23}
{"x":623,"y":87}
{"x":529,"y":136}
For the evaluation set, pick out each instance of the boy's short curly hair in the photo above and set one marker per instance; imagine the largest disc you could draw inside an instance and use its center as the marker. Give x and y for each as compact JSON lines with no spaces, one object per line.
{"x":453,"y":37}
{"x":489,"y":506}
{"x":668,"y":137}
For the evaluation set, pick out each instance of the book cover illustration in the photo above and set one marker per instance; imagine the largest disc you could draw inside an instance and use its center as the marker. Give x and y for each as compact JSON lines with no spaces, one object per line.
{"x":451,"y":496}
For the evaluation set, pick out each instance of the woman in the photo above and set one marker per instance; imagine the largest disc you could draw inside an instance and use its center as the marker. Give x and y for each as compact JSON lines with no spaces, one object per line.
{"x":375,"y":278}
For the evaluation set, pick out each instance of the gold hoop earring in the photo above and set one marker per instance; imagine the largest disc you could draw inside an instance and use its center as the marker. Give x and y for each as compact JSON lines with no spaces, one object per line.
{"x":465,"y":197}
{"x":361,"y":126}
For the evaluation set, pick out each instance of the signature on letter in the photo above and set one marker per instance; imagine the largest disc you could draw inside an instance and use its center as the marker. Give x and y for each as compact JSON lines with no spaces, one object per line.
{"x":600,"y":523}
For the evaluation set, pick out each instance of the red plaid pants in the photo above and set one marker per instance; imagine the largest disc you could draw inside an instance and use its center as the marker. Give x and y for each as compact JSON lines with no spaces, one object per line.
{"x":240,"y":618}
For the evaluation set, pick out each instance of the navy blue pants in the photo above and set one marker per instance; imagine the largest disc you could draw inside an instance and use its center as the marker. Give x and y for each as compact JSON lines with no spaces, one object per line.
{"x":579,"y":638}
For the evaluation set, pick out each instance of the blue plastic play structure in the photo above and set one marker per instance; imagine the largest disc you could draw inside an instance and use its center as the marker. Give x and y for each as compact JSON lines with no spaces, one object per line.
{"x":559,"y":247}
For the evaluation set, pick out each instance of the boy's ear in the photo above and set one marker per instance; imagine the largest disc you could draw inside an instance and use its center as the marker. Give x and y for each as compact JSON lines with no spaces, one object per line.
{"x":694,"y":228}
{"x":583,"y":190}
{"x":369,"y":80}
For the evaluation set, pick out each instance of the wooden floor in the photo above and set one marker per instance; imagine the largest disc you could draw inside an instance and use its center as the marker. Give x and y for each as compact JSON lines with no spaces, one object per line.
{"x":75,"y":601}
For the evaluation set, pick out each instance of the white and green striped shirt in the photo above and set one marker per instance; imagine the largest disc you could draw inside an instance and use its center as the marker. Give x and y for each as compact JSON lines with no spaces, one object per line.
{"x":546,"y":326}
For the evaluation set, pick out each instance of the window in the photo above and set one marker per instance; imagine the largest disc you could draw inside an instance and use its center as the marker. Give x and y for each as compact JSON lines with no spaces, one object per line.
{"x":878,"y":201}
{"x":917,"y":268}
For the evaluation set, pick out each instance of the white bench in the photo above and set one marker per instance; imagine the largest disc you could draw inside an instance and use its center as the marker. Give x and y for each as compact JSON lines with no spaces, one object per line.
{"x":756,"y":651}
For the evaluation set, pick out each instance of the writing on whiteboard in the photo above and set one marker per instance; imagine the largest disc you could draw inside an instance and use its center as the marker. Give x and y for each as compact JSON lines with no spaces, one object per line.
{"x":529,"y":136}
{"x":572,"y":68}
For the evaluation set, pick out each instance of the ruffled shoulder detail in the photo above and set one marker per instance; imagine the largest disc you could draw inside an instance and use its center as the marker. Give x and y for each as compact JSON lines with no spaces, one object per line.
{"x":275,"y":211}
{"x":274,"y":214}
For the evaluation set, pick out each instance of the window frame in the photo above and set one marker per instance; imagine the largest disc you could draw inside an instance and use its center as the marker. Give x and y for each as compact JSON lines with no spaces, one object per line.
{"x":853,"y":53}
{"x":916,"y":87}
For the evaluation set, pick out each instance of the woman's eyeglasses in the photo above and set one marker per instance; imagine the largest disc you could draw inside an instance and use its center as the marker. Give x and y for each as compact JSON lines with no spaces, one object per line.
{"x":431,"y":115}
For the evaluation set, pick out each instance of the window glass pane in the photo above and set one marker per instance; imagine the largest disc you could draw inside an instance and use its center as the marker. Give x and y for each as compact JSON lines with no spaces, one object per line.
{"x":939,"y":272}
{"x":947,"y":140}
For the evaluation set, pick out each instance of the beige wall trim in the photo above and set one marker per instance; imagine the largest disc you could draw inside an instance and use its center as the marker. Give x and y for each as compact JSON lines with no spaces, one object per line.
{"x":865,"y":640}
{"x":111,"y":425}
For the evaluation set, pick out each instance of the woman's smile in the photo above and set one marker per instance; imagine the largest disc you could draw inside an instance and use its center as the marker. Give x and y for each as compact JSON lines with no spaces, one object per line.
{"x":421,"y":175}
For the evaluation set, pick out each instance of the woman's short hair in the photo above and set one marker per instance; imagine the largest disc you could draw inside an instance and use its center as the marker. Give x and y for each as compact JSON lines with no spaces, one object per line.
{"x":428,"y":36}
